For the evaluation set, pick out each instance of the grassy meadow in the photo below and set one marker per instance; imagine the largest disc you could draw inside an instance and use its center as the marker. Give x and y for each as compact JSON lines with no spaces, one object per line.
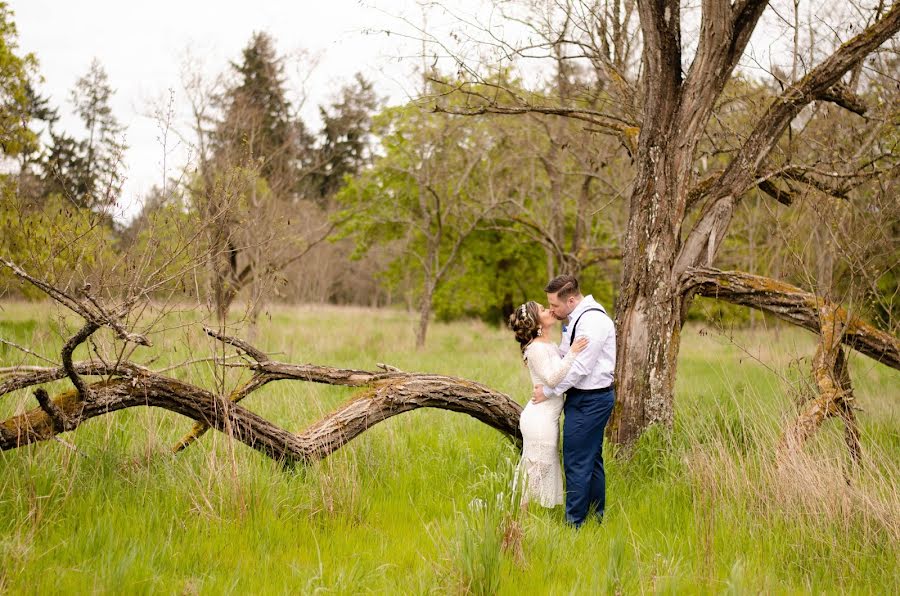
{"x":421,"y":503}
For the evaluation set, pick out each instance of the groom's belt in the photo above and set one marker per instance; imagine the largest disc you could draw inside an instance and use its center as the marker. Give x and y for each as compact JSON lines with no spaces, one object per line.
{"x":575,"y":390}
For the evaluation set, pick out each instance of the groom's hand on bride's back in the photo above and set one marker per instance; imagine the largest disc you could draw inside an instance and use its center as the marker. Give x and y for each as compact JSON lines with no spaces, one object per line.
{"x":538,"y":395}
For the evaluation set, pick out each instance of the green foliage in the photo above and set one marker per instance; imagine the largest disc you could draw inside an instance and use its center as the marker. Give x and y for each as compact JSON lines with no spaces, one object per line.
{"x":17,"y":101}
{"x":493,"y":276}
{"x":56,"y":238}
{"x":477,"y":547}
{"x":430,"y":189}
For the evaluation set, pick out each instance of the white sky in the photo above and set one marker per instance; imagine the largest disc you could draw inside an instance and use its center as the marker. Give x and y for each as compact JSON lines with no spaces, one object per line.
{"x":142,"y":46}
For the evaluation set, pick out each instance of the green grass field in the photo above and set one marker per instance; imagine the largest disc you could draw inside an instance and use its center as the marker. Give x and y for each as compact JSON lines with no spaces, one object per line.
{"x":421,"y":503}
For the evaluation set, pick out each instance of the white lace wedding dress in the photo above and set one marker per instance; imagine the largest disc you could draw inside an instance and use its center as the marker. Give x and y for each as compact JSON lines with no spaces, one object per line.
{"x":539,"y":467}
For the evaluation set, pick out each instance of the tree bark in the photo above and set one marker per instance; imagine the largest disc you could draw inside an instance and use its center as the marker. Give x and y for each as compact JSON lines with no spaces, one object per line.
{"x":676,"y":112}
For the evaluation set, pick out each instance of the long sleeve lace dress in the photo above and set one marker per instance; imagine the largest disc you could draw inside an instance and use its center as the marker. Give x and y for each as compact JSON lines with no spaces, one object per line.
{"x":539,"y":467}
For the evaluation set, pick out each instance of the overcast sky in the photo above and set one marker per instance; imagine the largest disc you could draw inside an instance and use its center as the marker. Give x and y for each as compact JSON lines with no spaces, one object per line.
{"x":142,"y":46}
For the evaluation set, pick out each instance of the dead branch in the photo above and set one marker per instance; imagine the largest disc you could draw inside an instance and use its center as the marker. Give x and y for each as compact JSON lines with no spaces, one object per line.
{"x":267,"y":371}
{"x":57,"y":418}
{"x":48,"y":374}
{"x":785,"y":197}
{"x":841,"y":94}
{"x":129,"y":385}
{"x":240,"y":344}
{"x":23,"y":349}
{"x":626,"y":132}
{"x":74,"y":341}
{"x":88,"y":308}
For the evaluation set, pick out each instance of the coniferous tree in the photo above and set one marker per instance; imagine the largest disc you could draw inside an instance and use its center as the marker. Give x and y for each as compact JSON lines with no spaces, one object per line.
{"x":347,"y":126}
{"x":88,"y":171}
{"x":16,"y":75}
{"x":257,"y":124}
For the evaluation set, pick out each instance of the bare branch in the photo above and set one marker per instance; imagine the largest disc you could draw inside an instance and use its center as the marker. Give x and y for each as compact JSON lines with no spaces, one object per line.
{"x":74,"y":341}
{"x":628,"y":133}
{"x":791,"y":304}
{"x":48,"y":374}
{"x":63,"y":298}
{"x":97,"y":316}
{"x":740,"y":174}
{"x":258,"y":355}
{"x":56,"y":416}
{"x":785,"y":197}
{"x":841,"y":94}
{"x":26,"y":350}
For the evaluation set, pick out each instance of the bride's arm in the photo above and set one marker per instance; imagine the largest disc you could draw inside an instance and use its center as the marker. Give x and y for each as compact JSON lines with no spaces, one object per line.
{"x":549,"y":367}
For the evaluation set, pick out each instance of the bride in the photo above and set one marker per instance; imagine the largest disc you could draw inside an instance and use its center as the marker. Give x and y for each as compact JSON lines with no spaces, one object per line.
{"x":539,"y":423}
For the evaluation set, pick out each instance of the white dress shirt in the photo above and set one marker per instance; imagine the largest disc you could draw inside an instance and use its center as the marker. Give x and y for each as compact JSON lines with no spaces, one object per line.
{"x":595,"y":366}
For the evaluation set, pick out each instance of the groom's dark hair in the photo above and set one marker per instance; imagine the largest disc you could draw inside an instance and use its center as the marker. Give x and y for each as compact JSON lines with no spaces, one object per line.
{"x":563,"y":286}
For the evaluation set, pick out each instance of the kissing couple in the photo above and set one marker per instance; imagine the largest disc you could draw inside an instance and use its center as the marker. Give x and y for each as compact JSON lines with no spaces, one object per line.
{"x":574,"y":377}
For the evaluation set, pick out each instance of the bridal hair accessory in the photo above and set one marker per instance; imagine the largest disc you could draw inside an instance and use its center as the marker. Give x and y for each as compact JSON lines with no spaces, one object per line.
{"x":540,"y":332}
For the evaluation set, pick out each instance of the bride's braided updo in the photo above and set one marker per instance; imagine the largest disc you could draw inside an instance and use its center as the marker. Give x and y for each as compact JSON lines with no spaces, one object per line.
{"x":525,"y":323}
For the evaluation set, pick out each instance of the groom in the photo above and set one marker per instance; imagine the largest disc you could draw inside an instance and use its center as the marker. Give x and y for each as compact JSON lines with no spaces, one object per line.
{"x":589,"y":395}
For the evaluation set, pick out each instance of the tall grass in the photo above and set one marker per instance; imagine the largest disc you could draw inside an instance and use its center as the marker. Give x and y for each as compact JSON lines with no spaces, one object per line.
{"x":421,"y":503}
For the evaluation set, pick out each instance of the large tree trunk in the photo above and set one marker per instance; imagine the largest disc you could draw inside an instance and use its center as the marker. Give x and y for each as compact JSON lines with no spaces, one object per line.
{"x":649,"y":309}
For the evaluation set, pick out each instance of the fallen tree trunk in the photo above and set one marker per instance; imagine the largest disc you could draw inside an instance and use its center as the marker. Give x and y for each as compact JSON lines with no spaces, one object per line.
{"x":389,"y":394}
{"x":128,"y":385}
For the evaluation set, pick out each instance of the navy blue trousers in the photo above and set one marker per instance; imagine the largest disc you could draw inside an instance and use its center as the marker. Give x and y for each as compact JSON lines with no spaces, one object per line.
{"x":587,"y":413}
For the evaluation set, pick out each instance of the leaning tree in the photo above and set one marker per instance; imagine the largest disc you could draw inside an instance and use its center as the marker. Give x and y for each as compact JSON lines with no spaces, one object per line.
{"x":663,"y":108}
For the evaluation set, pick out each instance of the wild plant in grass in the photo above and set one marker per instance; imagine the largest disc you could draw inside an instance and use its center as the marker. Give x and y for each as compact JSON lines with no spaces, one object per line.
{"x":489,"y":528}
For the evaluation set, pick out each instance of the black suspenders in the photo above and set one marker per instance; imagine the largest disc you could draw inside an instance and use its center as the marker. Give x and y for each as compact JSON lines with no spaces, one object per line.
{"x":575,"y":326}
